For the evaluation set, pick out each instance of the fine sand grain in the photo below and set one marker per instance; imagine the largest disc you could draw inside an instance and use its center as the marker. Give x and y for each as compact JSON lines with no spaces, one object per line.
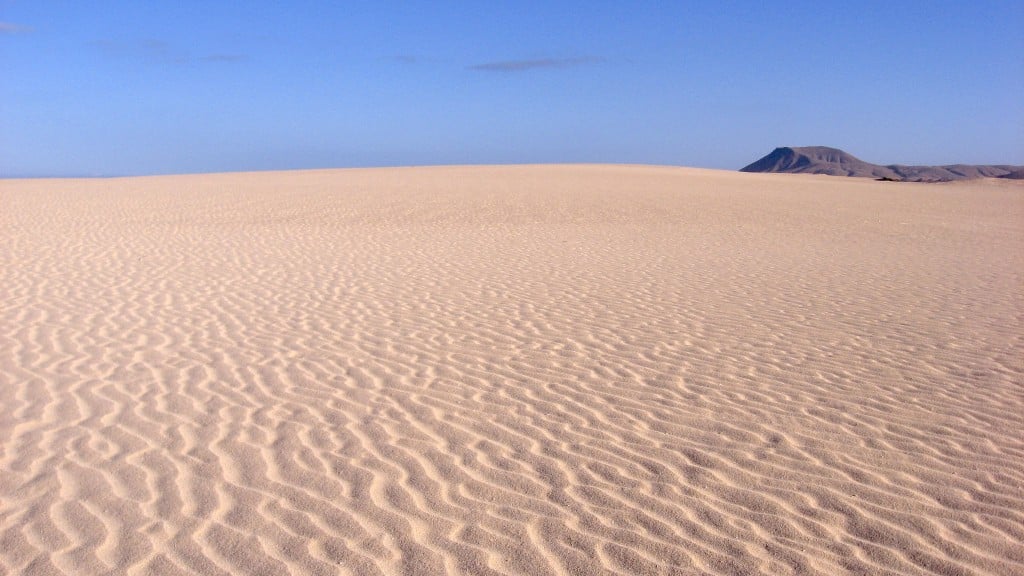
{"x":511,"y":370}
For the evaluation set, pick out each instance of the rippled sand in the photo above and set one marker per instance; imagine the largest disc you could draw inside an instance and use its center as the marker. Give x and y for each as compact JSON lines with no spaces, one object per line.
{"x":511,"y":370}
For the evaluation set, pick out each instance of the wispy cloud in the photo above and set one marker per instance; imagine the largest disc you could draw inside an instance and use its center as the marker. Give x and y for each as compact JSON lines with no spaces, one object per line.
{"x":147,"y":49}
{"x":224,"y":58}
{"x":10,"y":28}
{"x":524,"y":65}
{"x":158,"y":51}
{"x":414,"y":59}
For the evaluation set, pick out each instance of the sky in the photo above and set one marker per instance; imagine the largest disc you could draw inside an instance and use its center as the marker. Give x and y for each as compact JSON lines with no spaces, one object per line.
{"x":107,"y":88}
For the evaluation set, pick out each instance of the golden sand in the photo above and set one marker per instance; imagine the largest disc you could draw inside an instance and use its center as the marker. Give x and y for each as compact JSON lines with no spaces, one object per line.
{"x":511,"y":370}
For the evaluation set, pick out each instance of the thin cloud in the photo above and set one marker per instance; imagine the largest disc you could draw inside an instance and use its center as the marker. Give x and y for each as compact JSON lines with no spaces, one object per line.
{"x":148,"y":49}
{"x":158,"y":51}
{"x":524,"y":65}
{"x":11,"y":28}
{"x":224,"y":58}
{"x":413,"y":59}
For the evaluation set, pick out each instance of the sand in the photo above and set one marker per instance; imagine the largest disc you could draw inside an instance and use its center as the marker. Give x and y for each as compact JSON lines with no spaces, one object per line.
{"x":511,"y":370}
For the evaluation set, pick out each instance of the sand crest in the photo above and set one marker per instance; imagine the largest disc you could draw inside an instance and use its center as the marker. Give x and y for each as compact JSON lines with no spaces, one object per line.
{"x":511,"y":370}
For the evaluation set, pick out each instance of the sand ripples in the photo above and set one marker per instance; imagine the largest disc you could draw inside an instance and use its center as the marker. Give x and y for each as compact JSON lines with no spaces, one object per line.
{"x":561,"y":370}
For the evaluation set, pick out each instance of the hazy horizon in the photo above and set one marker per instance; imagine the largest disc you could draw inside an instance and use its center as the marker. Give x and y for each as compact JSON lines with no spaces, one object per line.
{"x":118,"y":89}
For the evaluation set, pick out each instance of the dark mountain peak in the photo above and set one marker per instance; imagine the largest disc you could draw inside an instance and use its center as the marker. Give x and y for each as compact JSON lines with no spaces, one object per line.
{"x":817,"y":160}
{"x":835,"y":162}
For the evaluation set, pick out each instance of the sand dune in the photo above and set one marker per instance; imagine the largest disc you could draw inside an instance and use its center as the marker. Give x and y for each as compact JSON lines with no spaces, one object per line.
{"x":511,"y":370}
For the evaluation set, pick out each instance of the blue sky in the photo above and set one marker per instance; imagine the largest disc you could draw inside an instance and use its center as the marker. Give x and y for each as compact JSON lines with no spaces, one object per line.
{"x":121,"y":88}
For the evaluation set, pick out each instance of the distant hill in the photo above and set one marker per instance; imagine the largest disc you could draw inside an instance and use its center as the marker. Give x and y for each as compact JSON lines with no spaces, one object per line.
{"x":835,"y":162}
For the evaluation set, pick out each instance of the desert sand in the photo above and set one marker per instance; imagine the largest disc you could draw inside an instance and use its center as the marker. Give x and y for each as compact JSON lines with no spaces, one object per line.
{"x":511,"y":370}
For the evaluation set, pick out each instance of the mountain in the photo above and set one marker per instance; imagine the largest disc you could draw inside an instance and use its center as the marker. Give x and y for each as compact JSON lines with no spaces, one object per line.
{"x":835,"y":162}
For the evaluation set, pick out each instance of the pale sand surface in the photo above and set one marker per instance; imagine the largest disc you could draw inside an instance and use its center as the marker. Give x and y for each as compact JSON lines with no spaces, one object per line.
{"x":511,"y":370}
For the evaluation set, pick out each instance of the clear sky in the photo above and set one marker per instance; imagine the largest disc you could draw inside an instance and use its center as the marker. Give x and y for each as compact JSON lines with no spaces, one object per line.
{"x":158,"y":86}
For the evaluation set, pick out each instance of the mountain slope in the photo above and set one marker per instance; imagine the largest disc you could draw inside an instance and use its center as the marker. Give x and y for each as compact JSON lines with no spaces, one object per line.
{"x":835,"y":162}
